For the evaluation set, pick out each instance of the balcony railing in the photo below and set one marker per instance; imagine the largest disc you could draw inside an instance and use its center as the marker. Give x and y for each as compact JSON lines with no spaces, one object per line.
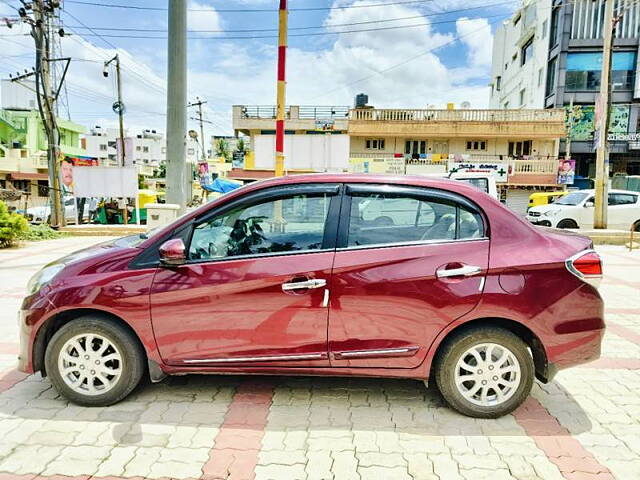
{"x":394,"y":115}
{"x":302,"y":112}
{"x":535,"y":167}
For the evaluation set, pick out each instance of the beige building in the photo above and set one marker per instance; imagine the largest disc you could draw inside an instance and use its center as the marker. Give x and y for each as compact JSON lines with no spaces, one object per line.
{"x":521,"y":145}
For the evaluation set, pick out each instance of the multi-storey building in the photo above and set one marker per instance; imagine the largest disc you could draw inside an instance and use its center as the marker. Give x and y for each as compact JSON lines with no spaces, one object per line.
{"x":23,"y":153}
{"x":549,"y":55}
{"x":147,"y":149}
{"x":521,"y":145}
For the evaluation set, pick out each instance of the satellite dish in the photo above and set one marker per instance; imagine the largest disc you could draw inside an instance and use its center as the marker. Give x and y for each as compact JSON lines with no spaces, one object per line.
{"x":465,"y":105}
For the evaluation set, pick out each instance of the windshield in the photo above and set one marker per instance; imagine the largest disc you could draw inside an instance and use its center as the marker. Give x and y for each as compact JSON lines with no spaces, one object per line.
{"x":480,"y":183}
{"x":573,"y":198}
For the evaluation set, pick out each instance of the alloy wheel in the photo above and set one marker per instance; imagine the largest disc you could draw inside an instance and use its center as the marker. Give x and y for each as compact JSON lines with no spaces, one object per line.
{"x":90,"y":364}
{"x":487,"y":374}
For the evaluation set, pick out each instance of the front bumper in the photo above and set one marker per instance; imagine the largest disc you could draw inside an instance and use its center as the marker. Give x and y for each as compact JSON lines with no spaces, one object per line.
{"x":543,"y":222}
{"x":25,"y":360}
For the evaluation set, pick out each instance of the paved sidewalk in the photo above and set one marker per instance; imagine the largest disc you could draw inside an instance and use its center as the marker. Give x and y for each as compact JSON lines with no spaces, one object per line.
{"x":584,"y":425}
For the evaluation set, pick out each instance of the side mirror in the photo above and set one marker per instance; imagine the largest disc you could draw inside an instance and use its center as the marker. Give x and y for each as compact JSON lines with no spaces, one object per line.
{"x":172,"y":252}
{"x":589,"y":204}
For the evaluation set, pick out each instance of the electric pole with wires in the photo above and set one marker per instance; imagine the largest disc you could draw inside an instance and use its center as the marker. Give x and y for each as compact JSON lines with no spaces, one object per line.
{"x":40,"y":21}
{"x":118,"y":106}
{"x":200,"y":119}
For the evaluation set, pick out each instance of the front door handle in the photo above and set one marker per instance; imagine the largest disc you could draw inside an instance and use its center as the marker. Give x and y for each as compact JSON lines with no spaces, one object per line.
{"x":464,"y":271}
{"x":304,"y":285}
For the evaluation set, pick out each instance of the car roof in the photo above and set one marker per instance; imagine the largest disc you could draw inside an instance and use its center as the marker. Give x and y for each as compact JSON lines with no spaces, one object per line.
{"x":610,"y":191}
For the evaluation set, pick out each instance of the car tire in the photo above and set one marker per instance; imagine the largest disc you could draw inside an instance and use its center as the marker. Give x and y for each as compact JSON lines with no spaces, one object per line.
{"x":100,"y":375}
{"x":567,"y":223}
{"x":465,"y":349}
{"x":636,"y":226}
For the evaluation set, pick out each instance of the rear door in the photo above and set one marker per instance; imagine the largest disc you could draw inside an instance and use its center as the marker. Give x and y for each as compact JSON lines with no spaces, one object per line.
{"x":409,"y":262}
{"x":623,"y":210}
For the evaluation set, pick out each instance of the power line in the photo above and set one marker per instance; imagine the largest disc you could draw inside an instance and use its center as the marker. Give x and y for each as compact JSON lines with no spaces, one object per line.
{"x":245,"y":10}
{"x":310,"y":27}
{"x":313,"y":34}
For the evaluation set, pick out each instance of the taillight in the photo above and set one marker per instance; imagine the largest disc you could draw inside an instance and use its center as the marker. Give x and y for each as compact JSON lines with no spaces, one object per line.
{"x":587,"y":266}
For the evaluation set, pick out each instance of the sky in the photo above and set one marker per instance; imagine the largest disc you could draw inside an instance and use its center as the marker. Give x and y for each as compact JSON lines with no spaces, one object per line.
{"x":416,"y":54}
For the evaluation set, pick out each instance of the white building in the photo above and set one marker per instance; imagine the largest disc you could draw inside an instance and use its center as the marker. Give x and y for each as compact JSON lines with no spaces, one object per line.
{"x":146,"y":149}
{"x":520,"y":50}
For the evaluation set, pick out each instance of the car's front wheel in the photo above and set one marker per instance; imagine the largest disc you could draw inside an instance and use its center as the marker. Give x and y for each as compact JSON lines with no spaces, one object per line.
{"x":94,"y":362}
{"x":485,"y":372}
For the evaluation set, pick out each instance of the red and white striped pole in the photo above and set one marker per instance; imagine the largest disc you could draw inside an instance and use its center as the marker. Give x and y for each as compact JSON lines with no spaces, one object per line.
{"x":280,"y":100}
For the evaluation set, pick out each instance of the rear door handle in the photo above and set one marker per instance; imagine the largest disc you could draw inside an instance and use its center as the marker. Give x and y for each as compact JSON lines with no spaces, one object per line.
{"x":465,"y":271}
{"x":304,"y":285}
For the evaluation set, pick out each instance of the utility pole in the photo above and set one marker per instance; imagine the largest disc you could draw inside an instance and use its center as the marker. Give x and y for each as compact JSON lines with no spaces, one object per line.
{"x":177,"y":104}
{"x":603,"y":106}
{"x":118,"y":106}
{"x":42,"y":9}
{"x":280,"y":96}
{"x":198,"y":103}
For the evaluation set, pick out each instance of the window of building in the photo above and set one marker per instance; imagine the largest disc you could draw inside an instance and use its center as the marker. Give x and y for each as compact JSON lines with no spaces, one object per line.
{"x":374,"y":144}
{"x":584,"y":71}
{"x":506,"y":105}
{"x":551,"y":76}
{"x":526,"y":52}
{"x":522,"y":96}
{"x":103,"y":147}
{"x":145,"y":149}
{"x":498,"y":82}
{"x":517,"y":20}
{"x":112,"y":144}
{"x":521,"y":148}
{"x":545,"y":24}
{"x":22,"y":185}
{"x":540,"y":76}
{"x":415,"y":147}
{"x":476,"y":145}
{"x":380,"y":219}
{"x":553,"y":31}
{"x":43,"y":188}
{"x":257,"y":229}
{"x":138,"y":148}
{"x":514,"y":57}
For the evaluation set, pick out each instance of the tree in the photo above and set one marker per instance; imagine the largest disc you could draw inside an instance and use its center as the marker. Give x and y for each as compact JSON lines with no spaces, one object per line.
{"x":12,"y":226}
{"x":240,"y":145}
{"x":222,"y":149}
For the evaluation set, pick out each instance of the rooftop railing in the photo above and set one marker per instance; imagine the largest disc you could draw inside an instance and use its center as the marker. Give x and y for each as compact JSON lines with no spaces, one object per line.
{"x":413,"y":115}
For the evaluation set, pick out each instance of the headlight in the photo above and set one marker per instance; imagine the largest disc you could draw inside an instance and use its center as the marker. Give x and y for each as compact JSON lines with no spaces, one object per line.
{"x":43,"y":277}
{"x":551,"y":213}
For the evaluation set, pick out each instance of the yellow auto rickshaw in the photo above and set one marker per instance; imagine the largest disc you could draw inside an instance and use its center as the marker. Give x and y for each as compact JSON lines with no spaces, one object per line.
{"x":544,"y":198}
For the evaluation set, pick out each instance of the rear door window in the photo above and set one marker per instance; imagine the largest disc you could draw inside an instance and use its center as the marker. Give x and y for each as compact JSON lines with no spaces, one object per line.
{"x":381,"y":219}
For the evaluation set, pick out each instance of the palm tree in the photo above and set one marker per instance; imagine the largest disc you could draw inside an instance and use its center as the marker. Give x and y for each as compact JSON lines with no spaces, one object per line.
{"x":240,"y":146}
{"x":222,"y":149}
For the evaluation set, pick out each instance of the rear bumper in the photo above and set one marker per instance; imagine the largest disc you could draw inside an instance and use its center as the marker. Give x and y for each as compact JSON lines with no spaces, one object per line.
{"x":576,"y":349}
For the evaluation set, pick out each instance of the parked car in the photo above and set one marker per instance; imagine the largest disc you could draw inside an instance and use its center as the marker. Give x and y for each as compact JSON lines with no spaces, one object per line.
{"x":294,"y":275}
{"x":575,"y":210}
{"x":42,"y":213}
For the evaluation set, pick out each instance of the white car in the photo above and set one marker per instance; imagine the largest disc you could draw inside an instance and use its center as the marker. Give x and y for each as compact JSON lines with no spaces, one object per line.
{"x":575,"y":210}
{"x":41,"y":214}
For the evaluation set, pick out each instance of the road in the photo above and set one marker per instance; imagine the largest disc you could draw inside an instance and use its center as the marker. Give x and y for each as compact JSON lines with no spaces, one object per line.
{"x":584,"y":425}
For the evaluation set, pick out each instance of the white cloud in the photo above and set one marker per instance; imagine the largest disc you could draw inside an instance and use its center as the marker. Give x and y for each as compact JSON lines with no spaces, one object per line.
{"x":476,"y":34}
{"x":203,"y":17}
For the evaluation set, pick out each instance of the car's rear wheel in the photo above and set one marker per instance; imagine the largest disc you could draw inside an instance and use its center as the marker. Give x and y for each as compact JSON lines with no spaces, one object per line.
{"x":567,"y":223}
{"x":485,"y":372}
{"x":94,"y":362}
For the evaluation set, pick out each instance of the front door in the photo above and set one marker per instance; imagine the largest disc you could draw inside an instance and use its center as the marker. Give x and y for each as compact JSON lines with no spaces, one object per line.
{"x":409,"y":262}
{"x":254,"y":289}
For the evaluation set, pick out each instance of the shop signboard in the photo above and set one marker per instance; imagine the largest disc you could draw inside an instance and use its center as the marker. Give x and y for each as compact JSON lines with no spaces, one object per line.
{"x":499,"y":170}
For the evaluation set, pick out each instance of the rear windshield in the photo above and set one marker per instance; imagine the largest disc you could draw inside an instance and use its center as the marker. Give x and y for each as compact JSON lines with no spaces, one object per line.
{"x":573,"y":198}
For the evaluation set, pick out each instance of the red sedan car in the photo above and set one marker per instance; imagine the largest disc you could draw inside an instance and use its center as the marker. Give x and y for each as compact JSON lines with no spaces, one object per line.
{"x":325,"y":274}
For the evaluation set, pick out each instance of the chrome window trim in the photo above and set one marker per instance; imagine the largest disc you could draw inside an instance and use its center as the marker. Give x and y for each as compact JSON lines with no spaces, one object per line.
{"x":418,"y":243}
{"x":257,"y":255}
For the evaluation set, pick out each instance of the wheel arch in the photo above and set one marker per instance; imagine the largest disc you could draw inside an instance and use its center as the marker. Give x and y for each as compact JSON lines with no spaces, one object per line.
{"x":55,"y":322}
{"x":543,"y":371}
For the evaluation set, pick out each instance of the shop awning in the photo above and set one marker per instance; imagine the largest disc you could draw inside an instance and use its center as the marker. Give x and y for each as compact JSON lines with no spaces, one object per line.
{"x":27,"y":176}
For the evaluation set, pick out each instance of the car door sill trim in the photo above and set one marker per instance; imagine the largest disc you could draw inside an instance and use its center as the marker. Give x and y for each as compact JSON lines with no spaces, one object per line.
{"x":383,"y":352}
{"x":267,"y":358}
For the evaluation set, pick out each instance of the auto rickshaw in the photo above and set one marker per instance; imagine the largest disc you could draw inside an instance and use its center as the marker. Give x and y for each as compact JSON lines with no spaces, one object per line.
{"x":544,"y":198}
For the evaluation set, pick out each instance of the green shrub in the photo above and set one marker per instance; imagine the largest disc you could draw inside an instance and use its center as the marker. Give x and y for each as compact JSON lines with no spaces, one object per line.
{"x":12,"y":226}
{"x":41,"y":232}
